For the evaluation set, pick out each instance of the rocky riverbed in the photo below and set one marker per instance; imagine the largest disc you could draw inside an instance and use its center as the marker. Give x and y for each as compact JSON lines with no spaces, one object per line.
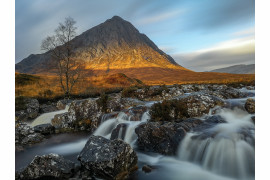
{"x":158,"y":132}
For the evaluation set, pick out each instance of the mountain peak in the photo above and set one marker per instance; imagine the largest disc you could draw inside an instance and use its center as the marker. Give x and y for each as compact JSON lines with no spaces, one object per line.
{"x":114,"y":44}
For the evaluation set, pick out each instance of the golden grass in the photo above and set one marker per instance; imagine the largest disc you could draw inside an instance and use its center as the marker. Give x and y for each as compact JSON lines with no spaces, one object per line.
{"x":47,"y":86}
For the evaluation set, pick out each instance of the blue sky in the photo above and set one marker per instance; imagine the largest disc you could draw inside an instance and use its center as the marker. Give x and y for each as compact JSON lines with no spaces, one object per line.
{"x":199,"y":34}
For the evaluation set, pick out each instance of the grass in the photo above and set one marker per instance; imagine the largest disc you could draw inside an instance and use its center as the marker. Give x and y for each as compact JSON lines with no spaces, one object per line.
{"x":46,"y":87}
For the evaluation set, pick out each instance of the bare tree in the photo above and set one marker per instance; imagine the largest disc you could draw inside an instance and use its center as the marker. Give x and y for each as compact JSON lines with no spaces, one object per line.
{"x":64,"y":55}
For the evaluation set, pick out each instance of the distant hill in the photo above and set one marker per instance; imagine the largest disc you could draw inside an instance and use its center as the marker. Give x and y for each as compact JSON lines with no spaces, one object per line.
{"x":237,"y":69}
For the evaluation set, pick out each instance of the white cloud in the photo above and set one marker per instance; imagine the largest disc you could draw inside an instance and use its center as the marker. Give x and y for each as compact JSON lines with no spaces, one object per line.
{"x":246,"y":32}
{"x":159,"y":17}
{"x":227,"y":53}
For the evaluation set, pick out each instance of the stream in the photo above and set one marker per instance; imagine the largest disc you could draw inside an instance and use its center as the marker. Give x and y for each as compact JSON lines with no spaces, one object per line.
{"x":226,"y":152}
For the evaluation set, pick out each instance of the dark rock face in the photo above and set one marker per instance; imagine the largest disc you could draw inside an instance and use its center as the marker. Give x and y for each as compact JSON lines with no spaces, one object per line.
{"x":31,"y":110}
{"x":108,"y":159}
{"x":48,"y":166}
{"x":160,"y":138}
{"x":46,"y":108}
{"x":32,"y":139}
{"x":250,"y":106}
{"x":25,"y":135}
{"x":44,"y":129}
{"x":119,"y":132}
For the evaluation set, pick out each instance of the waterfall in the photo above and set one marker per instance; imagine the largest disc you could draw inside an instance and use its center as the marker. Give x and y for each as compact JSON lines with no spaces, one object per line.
{"x":47,"y":117}
{"x":106,"y":128}
{"x":226,"y":149}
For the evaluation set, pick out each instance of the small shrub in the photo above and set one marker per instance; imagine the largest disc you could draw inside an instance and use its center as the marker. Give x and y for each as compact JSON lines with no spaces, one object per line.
{"x":102,"y":102}
{"x":129,"y":92}
{"x":169,"y":110}
{"x":20,"y":103}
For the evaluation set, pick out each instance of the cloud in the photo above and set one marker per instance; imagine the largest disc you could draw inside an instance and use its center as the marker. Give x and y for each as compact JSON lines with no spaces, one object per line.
{"x":159,"y":17}
{"x":207,"y":16}
{"x":246,"y":32}
{"x":227,"y":53}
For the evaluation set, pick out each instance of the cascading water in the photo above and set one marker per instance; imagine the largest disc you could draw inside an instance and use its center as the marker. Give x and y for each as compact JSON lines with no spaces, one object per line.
{"x":106,"y":128}
{"x":226,"y":149}
{"x":47,"y":117}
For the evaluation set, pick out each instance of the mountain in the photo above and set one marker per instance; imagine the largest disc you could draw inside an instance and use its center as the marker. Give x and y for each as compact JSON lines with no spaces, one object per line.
{"x":116,"y":47}
{"x":114,"y":44}
{"x":237,"y":69}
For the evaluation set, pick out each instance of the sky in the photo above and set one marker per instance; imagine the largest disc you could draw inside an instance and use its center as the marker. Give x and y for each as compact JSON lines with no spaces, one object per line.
{"x":200,"y":35}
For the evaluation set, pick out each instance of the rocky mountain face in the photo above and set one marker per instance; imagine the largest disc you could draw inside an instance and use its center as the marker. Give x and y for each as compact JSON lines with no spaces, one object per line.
{"x":237,"y":69}
{"x":114,"y":44}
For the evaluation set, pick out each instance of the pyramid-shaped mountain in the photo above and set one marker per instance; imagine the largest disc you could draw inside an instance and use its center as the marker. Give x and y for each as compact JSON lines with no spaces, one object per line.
{"x":114,"y":44}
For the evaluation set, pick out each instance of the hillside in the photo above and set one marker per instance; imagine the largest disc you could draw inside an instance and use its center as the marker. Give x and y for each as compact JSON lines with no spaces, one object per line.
{"x":237,"y":69}
{"x":114,"y":44}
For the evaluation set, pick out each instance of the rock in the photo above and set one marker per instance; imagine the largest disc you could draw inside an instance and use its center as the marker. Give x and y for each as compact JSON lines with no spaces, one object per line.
{"x":253,"y":119}
{"x":160,"y":138}
{"x":31,"y":110}
{"x":21,"y":131}
{"x":19,"y":148}
{"x":21,"y":116}
{"x":82,"y":115}
{"x":108,"y":159}
{"x":47,"y":167}
{"x":85,"y":113}
{"x":229,"y":93}
{"x":250,"y":106}
{"x":61,"y":104}
{"x":114,"y":103}
{"x":44,"y":129}
{"x":32,"y":139}
{"x":136,"y":113}
{"x":119,"y":132}
{"x":32,"y":107}
{"x":146,"y":169}
{"x":193,"y":105}
{"x":45,"y":108}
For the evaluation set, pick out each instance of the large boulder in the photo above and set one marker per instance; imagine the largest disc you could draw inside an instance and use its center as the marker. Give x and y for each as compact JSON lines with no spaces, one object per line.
{"x":25,"y":135}
{"x":82,"y":115}
{"x":108,"y":159}
{"x":250,"y":105}
{"x":32,"y":108}
{"x":160,"y":138}
{"x":50,"y":166}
